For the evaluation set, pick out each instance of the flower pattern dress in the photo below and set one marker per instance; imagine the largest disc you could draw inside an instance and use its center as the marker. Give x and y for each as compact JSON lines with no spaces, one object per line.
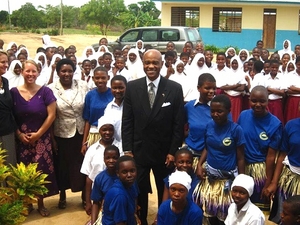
{"x":30,"y":116}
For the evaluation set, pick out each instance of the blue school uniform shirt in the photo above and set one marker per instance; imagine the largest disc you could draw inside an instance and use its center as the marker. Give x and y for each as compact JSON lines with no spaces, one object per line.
{"x":221,"y":144}
{"x":260,"y":134}
{"x":102,"y":183}
{"x":191,"y":215}
{"x":95,"y":104}
{"x":197,"y":116}
{"x":195,"y":181}
{"x":119,"y":204}
{"x":291,"y":141}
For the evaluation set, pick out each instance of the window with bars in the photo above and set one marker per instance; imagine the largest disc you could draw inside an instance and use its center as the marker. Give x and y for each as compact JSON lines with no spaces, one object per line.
{"x":185,"y":16}
{"x":227,"y":19}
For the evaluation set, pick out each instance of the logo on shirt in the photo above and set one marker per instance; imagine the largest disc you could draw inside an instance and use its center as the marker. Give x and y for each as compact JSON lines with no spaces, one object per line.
{"x":263,"y":136}
{"x":227,"y":141}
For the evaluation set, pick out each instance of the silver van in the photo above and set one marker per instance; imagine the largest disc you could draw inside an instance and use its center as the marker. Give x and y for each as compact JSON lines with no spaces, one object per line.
{"x":157,"y":37}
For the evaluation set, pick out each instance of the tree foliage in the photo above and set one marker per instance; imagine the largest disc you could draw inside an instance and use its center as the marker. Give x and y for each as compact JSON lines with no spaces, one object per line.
{"x":141,"y":14}
{"x":28,"y":17}
{"x":3,"y":17}
{"x":103,"y":13}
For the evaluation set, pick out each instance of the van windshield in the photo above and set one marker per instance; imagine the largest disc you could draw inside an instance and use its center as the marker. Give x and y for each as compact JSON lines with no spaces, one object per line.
{"x":193,"y":35}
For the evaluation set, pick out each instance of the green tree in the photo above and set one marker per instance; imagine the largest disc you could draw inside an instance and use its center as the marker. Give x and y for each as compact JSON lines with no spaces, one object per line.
{"x":102,"y":13}
{"x":28,"y":17}
{"x":141,"y":14}
{"x":3,"y":17}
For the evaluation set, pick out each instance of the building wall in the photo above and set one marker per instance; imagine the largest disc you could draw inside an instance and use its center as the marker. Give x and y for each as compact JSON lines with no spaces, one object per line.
{"x":287,"y":22}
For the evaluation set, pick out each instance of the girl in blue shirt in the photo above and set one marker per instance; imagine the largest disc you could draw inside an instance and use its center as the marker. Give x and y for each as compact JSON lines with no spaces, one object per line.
{"x":224,"y":153}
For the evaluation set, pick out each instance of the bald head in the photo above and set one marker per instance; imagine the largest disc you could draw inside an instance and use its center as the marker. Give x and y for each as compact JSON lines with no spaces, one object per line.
{"x":152,"y":62}
{"x":260,"y":89}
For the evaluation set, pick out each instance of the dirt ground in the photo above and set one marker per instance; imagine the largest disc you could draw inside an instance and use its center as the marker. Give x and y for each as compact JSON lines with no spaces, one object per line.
{"x":33,"y":41}
{"x":74,"y":213}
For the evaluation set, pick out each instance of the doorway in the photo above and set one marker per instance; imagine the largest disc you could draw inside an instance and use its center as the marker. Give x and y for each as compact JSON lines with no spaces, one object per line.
{"x":269,"y":28}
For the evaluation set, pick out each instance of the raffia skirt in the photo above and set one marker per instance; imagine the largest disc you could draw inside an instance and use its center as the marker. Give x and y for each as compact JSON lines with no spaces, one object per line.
{"x":258,"y":172}
{"x":212,"y":196}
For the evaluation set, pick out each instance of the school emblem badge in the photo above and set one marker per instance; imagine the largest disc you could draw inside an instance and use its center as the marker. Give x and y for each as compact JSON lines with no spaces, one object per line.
{"x":227,"y":141}
{"x":263,"y":136}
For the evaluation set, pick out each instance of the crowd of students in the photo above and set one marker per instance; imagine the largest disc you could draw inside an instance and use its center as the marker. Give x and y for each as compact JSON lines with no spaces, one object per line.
{"x":241,"y":117}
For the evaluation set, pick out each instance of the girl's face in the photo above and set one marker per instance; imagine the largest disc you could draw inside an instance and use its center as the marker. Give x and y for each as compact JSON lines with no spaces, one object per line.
{"x":127,"y":173}
{"x":139,"y":45}
{"x":100,"y":79}
{"x":101,"y":61}
{"x":87,"y":66}
{"x":22,"y":58}
{"x":184,"y":162}
{"x":66,"y":75}
{"x":258,"y":103}
{"x":57,"y":60}
{"x":110,"y":159}
{"x":117,"y":53}
{"x":250,"y":65}
{"x":170,"y":46}
{"x":14,"y":48}
{"x":298,"y":67}
{"x":24,"y":52}
{"x":49,"y":53}
{"x":221,"y":60}
{"x":184,"y":59}
{"x":208,"y":56}
{"x":89,"y":52}
{"x":102,"y":49}
{"x":178,"y":193}
{"x":200,"y":48}
{"x":228,"y":62}
{"x":243,"y":56}
{"x":107,"y":60}
{"x":3,"y":64}
{"x":240,"y":196}
{"x":107,"y":132}
{"x":285,"y":59}
{"x":125,"y":53}
{"x":274,"y":69}
{"x":188,"y":47}
{"x":73,"y":59}
{"x":200,"y":62}
{"x":275,"y":56}
{"x":103,"y":41}
{"x":245,"y":66}
{"x":42,"y":59}
{"x":256,"y":53}
{"x":286,"y":44}
{"x":120,"y":64}
{"x":30,"y":73}
{"x":287,"y":217}
{"x":231,"y":52}
{"x":118,"y":89}
{"x":290,"y":67}
{"x":17,"y":69}
{"x":219,"y":113}
{"x":207,"y":91}
{"x":93,"y":63}
{"x":180,"y":68}
{"x":267,"y":68}
{"x":61,"y":51}
{"x":234,"y":64}
{"x":132,"y":57}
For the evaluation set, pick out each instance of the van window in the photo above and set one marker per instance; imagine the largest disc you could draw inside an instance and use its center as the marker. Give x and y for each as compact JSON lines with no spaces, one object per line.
{"x":169,"y":35}
{"x":193,"y":35}
{"x":131,"y":36}
{"x":149,"y":35}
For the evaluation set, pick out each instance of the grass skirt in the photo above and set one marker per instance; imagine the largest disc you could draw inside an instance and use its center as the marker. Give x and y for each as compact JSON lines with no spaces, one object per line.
{"x":258,"y":172}
{"x":213,"y":196}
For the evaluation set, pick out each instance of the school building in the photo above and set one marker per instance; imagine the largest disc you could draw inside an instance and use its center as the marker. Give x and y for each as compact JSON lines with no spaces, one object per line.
{"x":237,"y":22}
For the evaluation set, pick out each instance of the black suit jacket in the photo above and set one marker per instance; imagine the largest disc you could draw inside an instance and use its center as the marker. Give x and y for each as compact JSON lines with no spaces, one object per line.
{"x":152,"y":134}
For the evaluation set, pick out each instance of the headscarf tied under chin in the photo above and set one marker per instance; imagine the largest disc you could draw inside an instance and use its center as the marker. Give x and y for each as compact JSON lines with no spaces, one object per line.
{"x":180,"y":177}
{"x":244,"y":181}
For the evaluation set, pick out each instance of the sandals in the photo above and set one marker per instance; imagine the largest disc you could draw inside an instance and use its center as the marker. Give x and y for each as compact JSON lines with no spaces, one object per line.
{"x":62,"y":204}
{"x":43,"y":212}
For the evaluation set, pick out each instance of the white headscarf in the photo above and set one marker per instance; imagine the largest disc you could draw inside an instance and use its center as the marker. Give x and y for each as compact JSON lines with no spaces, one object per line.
{"x":248,"y":55}
{"x":103,"y":46}
{"x":228,"y":49}
{"x":47,"y":41}
{"x":238,"y":61}
{"x":244,"y":181}
{"x":136,"y":68}
{"x":14,"y":80}
{"x":19,"y":51}
{"x":180,"y":177}
{"x":83,"y":57}
{"x":194,"y":69}
{"x":104,"y":120}
{"x":37,"y":56}
{"x":285,"y":50}
{"x":10,"y":44}
{"x":136,"y":46}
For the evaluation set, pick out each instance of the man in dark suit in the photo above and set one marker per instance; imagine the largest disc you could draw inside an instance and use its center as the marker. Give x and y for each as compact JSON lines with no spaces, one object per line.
{"x":152,"y":131}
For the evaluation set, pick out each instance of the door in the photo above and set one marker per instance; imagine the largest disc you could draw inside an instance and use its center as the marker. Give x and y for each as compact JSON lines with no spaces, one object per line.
{"x":269,"y":28}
